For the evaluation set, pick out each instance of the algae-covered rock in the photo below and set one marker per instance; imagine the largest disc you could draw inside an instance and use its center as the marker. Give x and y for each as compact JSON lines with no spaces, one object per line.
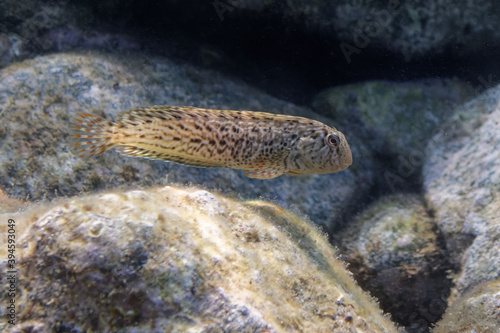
{"x":462,"y":186}
{"x":476,"y":311}
{"x":182,"y":260}
{"x":394,"y":117}
{"x":394,"y":251}
{"x":39,"y":97}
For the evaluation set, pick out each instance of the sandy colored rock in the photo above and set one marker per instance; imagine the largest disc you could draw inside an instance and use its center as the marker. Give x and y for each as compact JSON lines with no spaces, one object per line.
{"x":394,"y":251}
{"x":182,"y":260}
{"x":476,"y":311}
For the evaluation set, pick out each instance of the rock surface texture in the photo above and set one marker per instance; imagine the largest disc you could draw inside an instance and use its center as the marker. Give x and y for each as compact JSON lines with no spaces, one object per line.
{"x":182,"y":260}
{"x":476,"y":311}
{"x":412,"y":110}
{"x":462,"y":185}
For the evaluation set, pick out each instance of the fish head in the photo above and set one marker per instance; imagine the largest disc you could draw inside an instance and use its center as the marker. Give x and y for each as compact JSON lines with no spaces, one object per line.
{"x":323,"y":151}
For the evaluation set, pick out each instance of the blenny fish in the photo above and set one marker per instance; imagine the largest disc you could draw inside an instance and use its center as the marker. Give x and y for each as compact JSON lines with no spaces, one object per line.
{"x":264,"y":145}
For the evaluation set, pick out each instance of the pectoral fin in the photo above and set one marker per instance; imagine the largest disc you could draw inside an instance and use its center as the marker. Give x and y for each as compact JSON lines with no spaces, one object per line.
{"x":267,"y":168}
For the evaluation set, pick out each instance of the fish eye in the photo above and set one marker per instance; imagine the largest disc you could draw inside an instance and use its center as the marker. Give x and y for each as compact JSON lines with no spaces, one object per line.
{"x":333,"y":140}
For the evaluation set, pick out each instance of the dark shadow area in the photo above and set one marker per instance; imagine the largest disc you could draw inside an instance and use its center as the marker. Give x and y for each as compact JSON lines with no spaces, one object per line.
{"x":274,"y":54}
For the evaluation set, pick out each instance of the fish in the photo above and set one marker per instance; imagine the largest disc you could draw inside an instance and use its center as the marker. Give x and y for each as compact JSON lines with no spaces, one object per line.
{"x":263,"y":145}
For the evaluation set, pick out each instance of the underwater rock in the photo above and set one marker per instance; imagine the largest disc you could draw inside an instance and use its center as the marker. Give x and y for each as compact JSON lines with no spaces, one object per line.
{"x":10,"y":205}
{"x":409,"y":28}
{"x":39,"y":97}
{"x":412,"y":110}
{"x":405,"y":28}
{"x":462,"y":187}
{"x":182,"y":260}
{"x":47,"y":26}
{"x":5,"y":47}
{"x":396,"y":120}
{"x":476,"y":311}
{"x":416,"y":28}
{"x":393,"y":249}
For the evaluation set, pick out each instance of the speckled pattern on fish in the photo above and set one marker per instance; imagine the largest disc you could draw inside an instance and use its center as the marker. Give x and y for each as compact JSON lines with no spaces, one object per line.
{"x":264,"y":145}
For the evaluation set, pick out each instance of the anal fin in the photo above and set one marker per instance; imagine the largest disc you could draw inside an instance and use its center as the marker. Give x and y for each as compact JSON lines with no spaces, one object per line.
{"x":181,"y":159}
{"x":265,"y":174}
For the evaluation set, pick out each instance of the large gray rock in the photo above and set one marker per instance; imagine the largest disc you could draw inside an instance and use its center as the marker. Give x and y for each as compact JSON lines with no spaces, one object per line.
{"x":462,"y":187}
{"x":180,"y":260}
{"x":39,"y":97}
{"x":394,"y":118}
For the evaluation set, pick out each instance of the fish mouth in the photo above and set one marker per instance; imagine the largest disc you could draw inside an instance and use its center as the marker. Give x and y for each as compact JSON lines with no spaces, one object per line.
{"x":347,"y":159}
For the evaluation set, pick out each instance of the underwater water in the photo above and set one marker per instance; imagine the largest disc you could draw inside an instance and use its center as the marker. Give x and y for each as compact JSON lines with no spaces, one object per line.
{"x":363,"y":196}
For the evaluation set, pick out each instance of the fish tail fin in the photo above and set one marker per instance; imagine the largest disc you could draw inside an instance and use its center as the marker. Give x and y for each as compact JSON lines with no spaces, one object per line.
{"x":92,"y":135}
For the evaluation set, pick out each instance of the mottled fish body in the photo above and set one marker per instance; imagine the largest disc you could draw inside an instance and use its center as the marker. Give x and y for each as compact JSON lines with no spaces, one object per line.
{"x":264,"y":145}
